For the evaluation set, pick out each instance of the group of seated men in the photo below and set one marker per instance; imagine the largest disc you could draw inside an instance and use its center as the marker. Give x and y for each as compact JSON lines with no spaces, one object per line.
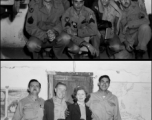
{"x":122,"y":25}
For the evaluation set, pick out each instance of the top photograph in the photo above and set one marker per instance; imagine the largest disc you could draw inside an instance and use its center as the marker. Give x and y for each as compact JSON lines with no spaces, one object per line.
{"x":76,"y":29}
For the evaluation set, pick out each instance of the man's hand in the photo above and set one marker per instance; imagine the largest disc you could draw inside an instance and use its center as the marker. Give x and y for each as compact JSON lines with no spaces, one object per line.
{"x":66,"y":113}
{"x":128,"y":46}
{"x":51,"y":35}
{"x":92,"y":50}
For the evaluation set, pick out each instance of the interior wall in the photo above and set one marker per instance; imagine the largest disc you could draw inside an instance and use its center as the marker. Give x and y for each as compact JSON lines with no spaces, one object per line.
{"x":21,"y":72}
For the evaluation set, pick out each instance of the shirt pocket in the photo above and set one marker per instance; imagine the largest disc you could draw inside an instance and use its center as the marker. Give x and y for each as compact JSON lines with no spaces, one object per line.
{"x":110,"y":107}
{"x":28,"y":111}
{"x":95,"y":104}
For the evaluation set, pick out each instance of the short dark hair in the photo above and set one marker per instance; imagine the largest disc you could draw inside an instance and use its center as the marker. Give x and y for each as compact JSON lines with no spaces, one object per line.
{"x":104,"y":76}
{"x":33,"y":80}
{"x":60,"y":83}
{"x":75,"y":93}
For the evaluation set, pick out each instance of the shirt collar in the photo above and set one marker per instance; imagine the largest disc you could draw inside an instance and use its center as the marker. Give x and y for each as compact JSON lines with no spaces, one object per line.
{"x":75,"y":13}
{"x":56,"y":100}
{"x":81,"y":104}
{"x":32,"y":98}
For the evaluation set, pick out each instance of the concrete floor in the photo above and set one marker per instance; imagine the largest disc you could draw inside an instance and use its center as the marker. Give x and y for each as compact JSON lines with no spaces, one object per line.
{"x":21,"y":53}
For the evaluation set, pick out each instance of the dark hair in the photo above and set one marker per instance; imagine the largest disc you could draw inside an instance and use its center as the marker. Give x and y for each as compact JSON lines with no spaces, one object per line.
{"x":60,"y":83}
{"x":104,"y":76}
{"x":75,"y":93}
{"x":33,"y":80}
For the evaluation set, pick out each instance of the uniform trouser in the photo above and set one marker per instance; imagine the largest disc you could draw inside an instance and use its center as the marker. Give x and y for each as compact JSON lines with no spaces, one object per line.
{"x":116,"y":50}
{"x":94,"y":41}
{"x":141,"y":38}
{"x":58,"y":45}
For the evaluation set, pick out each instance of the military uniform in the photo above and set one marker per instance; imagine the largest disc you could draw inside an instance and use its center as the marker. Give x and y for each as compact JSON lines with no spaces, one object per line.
{"x":28,"y":109}
{"x":84,"y":25}
{"x":138,"y":33}
{"x":40,"y":20}
{"x":111,"y":13}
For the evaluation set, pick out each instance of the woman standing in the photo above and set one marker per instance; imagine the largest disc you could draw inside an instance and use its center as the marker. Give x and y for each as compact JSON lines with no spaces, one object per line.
{"x":78,"y":110}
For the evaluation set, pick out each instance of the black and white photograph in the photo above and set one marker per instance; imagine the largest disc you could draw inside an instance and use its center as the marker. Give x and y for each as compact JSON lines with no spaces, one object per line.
{"x":76,"y":29}
{"x":76,"y":90}
{"x":3,"y":103}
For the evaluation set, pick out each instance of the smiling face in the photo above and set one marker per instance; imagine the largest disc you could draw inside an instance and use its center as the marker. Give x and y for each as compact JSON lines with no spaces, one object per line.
{"x":34,"y":88}
{"x":60,"y":91}
{"x":81,"y":95}
{"x":78,"y":4}
{"x":104,"y":84}
{"x":125,"y":3}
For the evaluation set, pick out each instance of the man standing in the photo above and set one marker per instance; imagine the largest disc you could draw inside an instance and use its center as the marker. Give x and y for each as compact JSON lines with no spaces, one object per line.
{"x":103,"y":103}
{"x":54,"y":108}
{"x":80,"y":23}
{"x":135,"y":30}
{"x":30,"y":107}
{"x":43,"y":23}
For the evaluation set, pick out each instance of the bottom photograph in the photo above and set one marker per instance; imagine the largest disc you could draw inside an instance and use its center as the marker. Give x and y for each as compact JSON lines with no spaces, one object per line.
{"x":75,"y":90}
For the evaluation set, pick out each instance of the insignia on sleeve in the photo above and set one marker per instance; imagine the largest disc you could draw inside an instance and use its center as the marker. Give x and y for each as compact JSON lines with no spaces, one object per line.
{"x":31,"y":10}
{"x":30,"y":20}
{"x":91,"y":19}
{"x":84,"y":21}
{"x":67,"y":22}
{"x":74,"y":24}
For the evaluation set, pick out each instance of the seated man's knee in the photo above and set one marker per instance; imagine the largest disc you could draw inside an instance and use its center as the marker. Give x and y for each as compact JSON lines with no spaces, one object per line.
{"x":32,"y":44}
{"x":64,"y":38}
{"x":74,"y":48}
{"x":115,"y":44}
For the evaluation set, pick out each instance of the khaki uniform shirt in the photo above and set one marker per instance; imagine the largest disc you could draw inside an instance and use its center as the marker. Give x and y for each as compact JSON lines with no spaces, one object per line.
{"x":39,"y":19}
{"x":133,"y":17}
{"x":104,"y":108}
{"x":28,"y":109}
{"x":59,"y":109}
{"x":83,"y":24}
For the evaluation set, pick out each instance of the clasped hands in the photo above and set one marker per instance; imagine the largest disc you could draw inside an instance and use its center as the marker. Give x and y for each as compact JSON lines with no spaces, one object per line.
{"x":51,"y":35}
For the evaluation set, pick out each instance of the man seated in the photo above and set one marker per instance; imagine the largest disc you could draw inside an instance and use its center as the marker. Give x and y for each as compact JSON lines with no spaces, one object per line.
{"x":43,"y":23}
{"x":135,"y":31}
{"x":108,"y":16}
{"x":80,"y":23}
